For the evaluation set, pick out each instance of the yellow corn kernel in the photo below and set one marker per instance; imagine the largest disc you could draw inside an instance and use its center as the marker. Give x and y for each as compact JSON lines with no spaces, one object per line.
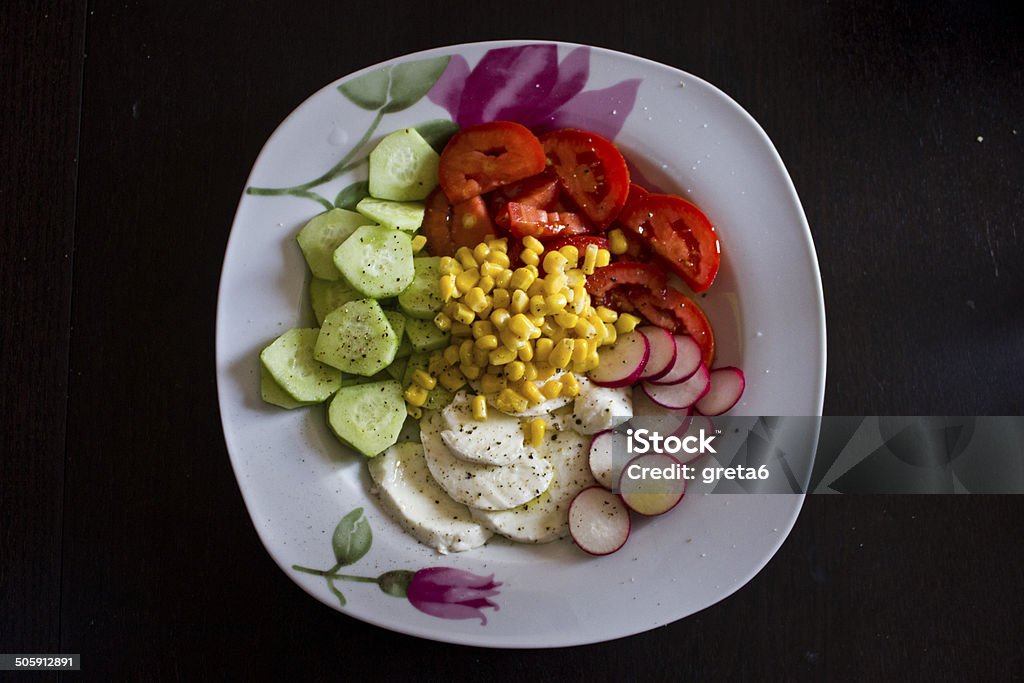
{"x":520,"y":302}
{"x":482,"y":328}
{"x":515,"y":370}
{"x":551,"y":389}
{"x":451,"y":355}
{"x":480,"y":356}
{"x":555,"y":303}
{"x":536,"y":429}
{"x":491,"y":270}
{"x":464,"y":314}
{"x":511,"y":401}
{"x":520,"y":326}
{"x":604,"y":257}
{"x":467,"y":279}
{"x":570,"y":385}
{"x":500,"y":316}
{"x":415,"y":395}
{"x":538,"y":307}
{"x":530,"y":391}
{"x":610,"y":334}
{"x":530,"y":371}
{"x":526,"y":352}
{"x":580,"y":299}
{"x":627,"y":322}
{"x":571,"y":254}
{"x":617,"y":243}
{"x":511,"y":342}
{"x":502,"y":355}
{"x":452,"y":379}
{"x":567,"y":320}
{"x":435,"y":365}
{"x":449,"y":266}
{"x":499,"y":258}
{"x":531,"y":243}
{"x":580,"y":349}
{"x":486,"y":283}
{"x":503,"y":278}
{"x":498,"y":245}
{"x":465,"y":257}
{"x":575,"y":277}
{"x":461,"y":330}
{"x":589,"y":259}
{"x":607,"y":315}
{"x":593,"y":359}
{"x":491,"y":383}
{"x":488,"y":342}
{"x":522,"y":278}
{"x":470,"y":371}
{"x":479,"y":404}
{"x":466,"y":352}
{"x":537,"y":288}
{"x":561,"y":354}
{"x":481,"y":252}
{"x":448,"y":288}
{"x":600,"y":331}
{"x":555,"y":282}
{"x":544,"y":371}
{"x":554,"y":262}
{"x":418,"y":242}
{"x":476,"y":300}
{"x":443,"y":322}
{"x":414,"y":412}
{"x":500,"y":298}
{"x":529,"y":257}
{"x":585,"y":329}
{"x":542,"y":348}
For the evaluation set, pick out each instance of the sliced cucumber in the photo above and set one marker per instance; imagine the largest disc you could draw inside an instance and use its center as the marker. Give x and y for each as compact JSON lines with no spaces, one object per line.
{"x":322,"y":235}
{"x":404,"y":346}
{"x":356,"y":380}
{"x":406,"y":216}
{"x":368,"y":417}
{"x":357,"y":338}
{"x":397,"y":368}
{"x":424,"y":335}
{"x":376,"y":260}
{"x":327,"y":295}
{"x":291,"y":362}
{"x":403,"y":167}
{"x":422,"y":299}
{"x":397,"y":321}
{"x":438,"y":397}
{"x":272,"y":393}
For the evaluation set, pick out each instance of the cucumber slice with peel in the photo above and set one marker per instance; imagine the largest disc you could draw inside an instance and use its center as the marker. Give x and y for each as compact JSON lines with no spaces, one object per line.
{"x":357,"y":338}
{"x":291,"y":362}
{"x":368,"y":417}
{"x":272,"y":393}
{"x":377,"y":261}
{"x":397,"y":321}
{"x":422,"y":299}
{"x":406,"y":216}
{"x":403,"y":167}
{"x":327,"y":295}
{"x":424,"y":335}
{"x":322,"y":235}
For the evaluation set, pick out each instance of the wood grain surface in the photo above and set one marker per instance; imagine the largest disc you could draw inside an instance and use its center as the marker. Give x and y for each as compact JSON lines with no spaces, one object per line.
{"x":128,"y":130}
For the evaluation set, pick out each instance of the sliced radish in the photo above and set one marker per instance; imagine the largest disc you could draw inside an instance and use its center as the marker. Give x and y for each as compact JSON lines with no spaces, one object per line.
{"x":663,"y":351}
{"x":688,"y":358}
{"x":603,"y":448}
{"x":682,"y":394}
{"x":654,"y":418}
{"x":696,"y":425}
{"x":726,"y":387}
{"x":598,"y":521}
{"x":622,"y":363}
{"x":653,"y":483}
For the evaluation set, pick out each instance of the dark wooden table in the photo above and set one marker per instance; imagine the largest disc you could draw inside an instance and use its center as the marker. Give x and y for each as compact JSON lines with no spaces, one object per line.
{"x":127,"y":130}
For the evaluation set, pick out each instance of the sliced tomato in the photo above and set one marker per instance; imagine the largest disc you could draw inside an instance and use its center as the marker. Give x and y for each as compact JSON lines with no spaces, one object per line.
{"x":540,"y":191}
{"x":592,"y":172}
{"x":437,"y":224}
{"x":679,"y":233}
{"x":579,"y":241}
{"x":674,"y":311}
{"x":622,"y":273}
{"x":523,"y":220}
{"x":480,"y":158}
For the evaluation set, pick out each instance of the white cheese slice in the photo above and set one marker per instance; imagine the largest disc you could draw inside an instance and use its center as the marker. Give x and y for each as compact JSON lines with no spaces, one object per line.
{"x":599,"y":408}
{"x":498,"y":440}
{"x":546,"y":518}
{"x":478,"y":485}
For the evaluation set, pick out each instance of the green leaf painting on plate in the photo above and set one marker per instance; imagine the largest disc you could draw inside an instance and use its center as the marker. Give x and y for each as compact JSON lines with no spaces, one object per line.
{"x":386,"y":90}
{"x":352,"y":538}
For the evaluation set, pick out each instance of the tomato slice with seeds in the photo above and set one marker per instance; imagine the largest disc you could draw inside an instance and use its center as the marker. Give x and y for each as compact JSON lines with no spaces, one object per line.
{"x":523,"y":220}
{"x":448,"y":227}
{"x":437,"y":224}
{"x":539,"y":191}
{"x":688,"y":318}
{"x":622,"y":273}
{"x":679,"y":233}
{"x":481,"y":158}
{"x":592,"y":172}
{"x":579,"y":241}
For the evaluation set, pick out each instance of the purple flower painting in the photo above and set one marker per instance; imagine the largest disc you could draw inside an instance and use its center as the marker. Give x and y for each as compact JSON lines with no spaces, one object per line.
{"x":452,"y":593}
{"x":528,"y":84}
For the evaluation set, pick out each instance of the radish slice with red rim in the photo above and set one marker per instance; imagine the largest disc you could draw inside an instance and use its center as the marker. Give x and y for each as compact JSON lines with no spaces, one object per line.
{"x":654,"y":418}
{"x":726,"y":387}
{"x":682,"y":394}
{"x":621,"y":363}
{"x":687,"y":360}
{"x":602,"y":455}
{"x":598,"y":521}
{"x":652,"y":484}
{"x":663,"y":351}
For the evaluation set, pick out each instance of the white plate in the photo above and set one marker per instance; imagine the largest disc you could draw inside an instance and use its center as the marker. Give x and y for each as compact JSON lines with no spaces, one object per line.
{"x":766,"y":307}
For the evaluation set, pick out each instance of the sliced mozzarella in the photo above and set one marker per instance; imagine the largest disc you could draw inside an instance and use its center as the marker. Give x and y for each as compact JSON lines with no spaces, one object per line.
{"x":546,"y":518}
{"x":478,"y":485}
{"x":415,"y":501}
{"x":599,"y":408}
{"x":498,"y":440}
